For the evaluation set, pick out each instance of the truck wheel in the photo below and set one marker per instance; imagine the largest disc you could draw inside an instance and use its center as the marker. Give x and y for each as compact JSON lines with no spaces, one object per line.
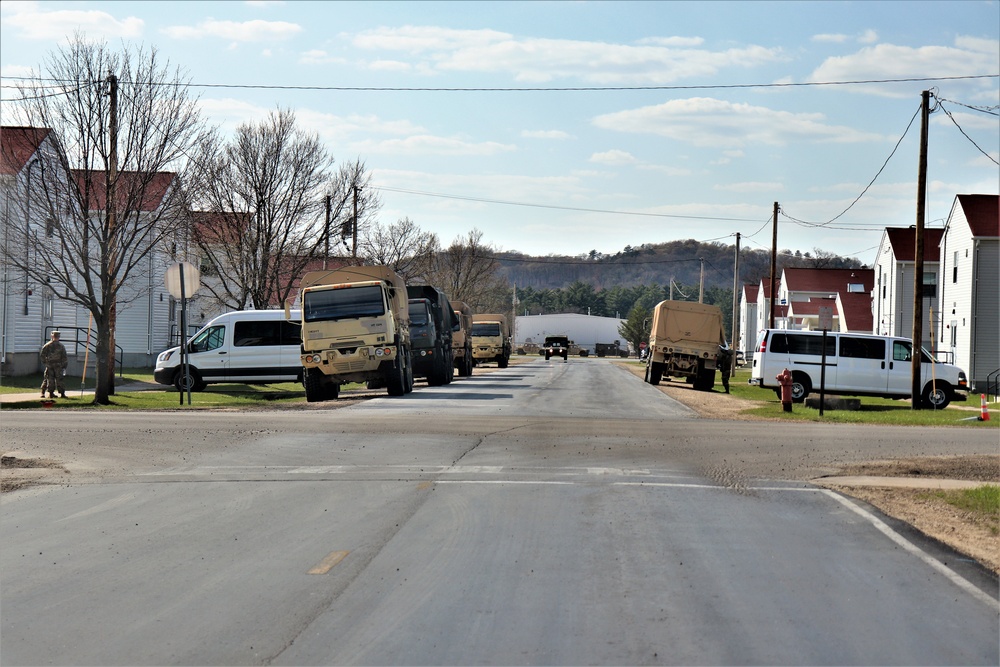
{"x":192,"y":380}
{"x":395,"y":380}
{"x":312,"y":380}
{"x":409,"y":374}
{"x":937,"y":396}
{"x":655,"y":372}
{"x":548,"y":355}
{"x":705,"y":380}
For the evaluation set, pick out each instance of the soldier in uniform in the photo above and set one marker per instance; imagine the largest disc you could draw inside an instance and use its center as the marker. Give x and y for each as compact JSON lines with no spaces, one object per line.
{"x":725,"y":365}
{"x":54,"y":359}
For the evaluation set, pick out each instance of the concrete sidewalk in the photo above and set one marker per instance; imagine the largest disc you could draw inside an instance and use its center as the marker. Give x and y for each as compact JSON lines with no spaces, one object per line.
{"x":78,"y":394}
{"x":899,"y":482}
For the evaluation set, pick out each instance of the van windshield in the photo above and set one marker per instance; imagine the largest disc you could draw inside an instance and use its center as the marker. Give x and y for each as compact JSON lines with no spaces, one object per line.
{"x":343,"y":304}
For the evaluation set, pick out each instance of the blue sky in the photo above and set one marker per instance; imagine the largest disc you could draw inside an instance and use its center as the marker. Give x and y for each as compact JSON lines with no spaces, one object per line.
{"x":702,"y":152}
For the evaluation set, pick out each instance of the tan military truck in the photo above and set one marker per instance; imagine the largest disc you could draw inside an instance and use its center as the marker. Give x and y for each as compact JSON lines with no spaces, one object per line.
{"x":355,"y":328}
{"x":684,"y":343}
{"x":461,"y":343}
{"x":491,"y":339}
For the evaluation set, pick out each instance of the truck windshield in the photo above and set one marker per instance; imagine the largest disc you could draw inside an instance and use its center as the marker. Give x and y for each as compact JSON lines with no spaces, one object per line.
{"x":342,"y":304}
{"x":486,"y":329}
{"x":418,"y":314}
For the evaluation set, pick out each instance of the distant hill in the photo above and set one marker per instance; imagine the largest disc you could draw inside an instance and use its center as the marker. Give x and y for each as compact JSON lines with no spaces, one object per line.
{"x":657,"y":264}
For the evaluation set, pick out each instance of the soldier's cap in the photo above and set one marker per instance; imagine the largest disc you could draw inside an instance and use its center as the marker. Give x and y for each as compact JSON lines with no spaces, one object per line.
{"x":56,"y":333}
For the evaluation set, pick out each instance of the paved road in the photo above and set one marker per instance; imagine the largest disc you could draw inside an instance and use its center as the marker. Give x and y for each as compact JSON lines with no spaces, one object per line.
{"x":549,"y":513}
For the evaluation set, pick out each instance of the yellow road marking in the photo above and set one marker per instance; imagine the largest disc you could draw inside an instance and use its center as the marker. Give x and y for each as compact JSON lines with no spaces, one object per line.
{"x":327,"y":563}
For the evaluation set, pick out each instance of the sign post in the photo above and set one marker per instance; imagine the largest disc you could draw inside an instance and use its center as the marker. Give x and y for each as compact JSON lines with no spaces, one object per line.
{"x":183,"y":279}
{"x":825,"y":323}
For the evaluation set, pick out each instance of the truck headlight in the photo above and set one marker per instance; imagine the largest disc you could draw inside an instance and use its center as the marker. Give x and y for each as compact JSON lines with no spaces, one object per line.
{"x":379,"y":352}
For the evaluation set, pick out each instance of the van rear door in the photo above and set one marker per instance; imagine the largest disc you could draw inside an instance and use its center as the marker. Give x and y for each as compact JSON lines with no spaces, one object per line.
{"x":863,"y":365}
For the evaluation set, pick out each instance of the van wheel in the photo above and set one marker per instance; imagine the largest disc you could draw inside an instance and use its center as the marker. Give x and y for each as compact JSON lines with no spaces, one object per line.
{"x":192,"y":380}
{"x":937,"y":397}
{"x":801,"y":386}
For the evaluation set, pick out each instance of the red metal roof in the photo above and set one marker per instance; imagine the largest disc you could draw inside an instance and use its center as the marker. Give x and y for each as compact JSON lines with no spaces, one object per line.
{"x":751,"y":292}
{"x":17,"y":145}
{"x":904,"y":241}
{"x":827,"y":280}
{"x":857,"y":311}
{"x":983,"y":214}
{"x":130,"y":183}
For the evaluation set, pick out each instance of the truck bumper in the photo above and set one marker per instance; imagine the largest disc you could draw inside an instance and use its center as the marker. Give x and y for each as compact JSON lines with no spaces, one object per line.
{"x":345,"y":362}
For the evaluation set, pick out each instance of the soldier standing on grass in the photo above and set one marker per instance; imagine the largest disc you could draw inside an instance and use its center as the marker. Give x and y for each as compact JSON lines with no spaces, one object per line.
{"x":725,"y":365}
{"x":54,"y":359}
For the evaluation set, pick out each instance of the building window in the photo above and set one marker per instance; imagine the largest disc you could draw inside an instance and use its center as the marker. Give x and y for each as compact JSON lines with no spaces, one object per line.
{"x":954,"y":268}
{"x":50,"y":228}
{"x":930,"y":285}
{"x":856,"y":288}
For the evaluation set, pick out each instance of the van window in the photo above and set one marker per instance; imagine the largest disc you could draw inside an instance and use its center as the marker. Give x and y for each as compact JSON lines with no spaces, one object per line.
{"x":901,"y":350}
{"x":252,"y":333}
{"x":862,"y":348}
{"x":210,"y":339}
{"x":790,"y":343}
{"x":291,"y":333}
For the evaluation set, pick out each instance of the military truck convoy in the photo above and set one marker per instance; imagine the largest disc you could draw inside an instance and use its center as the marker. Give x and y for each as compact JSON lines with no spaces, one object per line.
{"x":685,"y":342}
{"x":432,"y":324}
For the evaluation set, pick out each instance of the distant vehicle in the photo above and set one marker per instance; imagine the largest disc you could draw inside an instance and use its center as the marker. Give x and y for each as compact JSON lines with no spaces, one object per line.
{"x":239,"y":346}
{"x":856,"y":365}
{"x":491,"y":339}
{"x":462,"y":338}
{"x":432,"y":325}
{"x":556,"y":346}
{"x":741,"y":359}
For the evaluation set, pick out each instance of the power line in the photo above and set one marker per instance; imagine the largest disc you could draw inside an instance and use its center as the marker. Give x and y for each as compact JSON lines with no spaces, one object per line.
{"x":560,"y":208}
{"x":948,"y":113}
{"x":867,"y":187}
{"x":550,"y":89}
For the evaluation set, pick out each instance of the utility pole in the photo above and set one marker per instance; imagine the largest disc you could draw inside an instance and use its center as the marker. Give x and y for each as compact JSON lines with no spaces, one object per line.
{"x":736,"y":305}
{"x":326,"y":235}
{"x":354,"y":252}
{"x":701,"y":283}
{"x":918,"y":255}
{"x":111,"y":202}
{"x":774,"y":264}
{"x":671,"y":288}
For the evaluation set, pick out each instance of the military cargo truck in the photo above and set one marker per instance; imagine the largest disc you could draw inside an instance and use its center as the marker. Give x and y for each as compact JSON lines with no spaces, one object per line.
{"x":355,"y":328}
{"x":491,"y":339}
{"x":432,"y":322}
{"x":461,"y":338}
{"x":684,"y":343}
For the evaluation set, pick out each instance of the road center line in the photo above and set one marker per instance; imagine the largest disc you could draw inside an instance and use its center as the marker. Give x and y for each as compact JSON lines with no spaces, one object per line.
{"x":329,"y":562}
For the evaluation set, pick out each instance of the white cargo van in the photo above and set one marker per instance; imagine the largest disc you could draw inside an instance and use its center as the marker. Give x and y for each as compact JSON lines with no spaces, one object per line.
{"x":856,"y":365}
{"x":241,"y":346}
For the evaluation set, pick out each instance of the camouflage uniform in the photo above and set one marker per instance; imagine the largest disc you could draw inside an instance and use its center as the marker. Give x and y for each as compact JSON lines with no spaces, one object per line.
{"x":54,"y":359}
{"x":725,"y":366}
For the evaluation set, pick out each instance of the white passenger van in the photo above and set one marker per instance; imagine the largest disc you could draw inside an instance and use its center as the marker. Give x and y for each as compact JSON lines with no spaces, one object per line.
{"x":241,"y":346}
{"x":856,"y":365}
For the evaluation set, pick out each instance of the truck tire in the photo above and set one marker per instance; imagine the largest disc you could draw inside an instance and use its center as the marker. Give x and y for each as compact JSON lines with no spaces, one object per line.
{"x":705,"y":380}
{"x":395,"y":379}
{"x":655,"y":372}
{"x":937,"y":396}
{"x":316,"y":390}
{"x":409,"y":374}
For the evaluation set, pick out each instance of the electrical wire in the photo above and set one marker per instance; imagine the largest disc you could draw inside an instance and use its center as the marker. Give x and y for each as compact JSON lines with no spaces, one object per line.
{"x":964,"y":134}
{"x":867,"y":187}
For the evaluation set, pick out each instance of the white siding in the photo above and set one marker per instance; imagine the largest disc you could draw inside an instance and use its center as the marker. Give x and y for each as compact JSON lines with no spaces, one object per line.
{"x":986,"y":317}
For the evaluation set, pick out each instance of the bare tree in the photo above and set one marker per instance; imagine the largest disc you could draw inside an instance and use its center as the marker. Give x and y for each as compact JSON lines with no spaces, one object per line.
{"x":262,"y":202}
{"x":350,"y":192}
{"x":120,"y":122}
{"x":469,"y":271}
{"x":402,"y":246}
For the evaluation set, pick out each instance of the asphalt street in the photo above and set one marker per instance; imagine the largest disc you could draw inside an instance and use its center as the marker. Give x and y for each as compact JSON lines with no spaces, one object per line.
{"x":547,"y":513}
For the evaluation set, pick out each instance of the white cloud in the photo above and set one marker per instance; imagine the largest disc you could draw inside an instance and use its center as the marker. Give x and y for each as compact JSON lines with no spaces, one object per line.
{"x":834,"y":39}
{"x":15,"y":71}
{"x":318,"y":57}
{"x":653,"y":61}
{"x":390,"y":66}
{"x":426,"y":144}
{"x":33,"y":22}
{"x":246,"y":31}
{"x":868,"y":37}
{"x":888,"y":61}
{"x":613,"y":157}
{"x":710,"y":122}
{"x":545,"y":134}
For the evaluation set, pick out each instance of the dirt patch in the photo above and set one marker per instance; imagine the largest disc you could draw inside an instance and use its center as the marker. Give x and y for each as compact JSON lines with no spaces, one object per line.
{"x":17,"y":472}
